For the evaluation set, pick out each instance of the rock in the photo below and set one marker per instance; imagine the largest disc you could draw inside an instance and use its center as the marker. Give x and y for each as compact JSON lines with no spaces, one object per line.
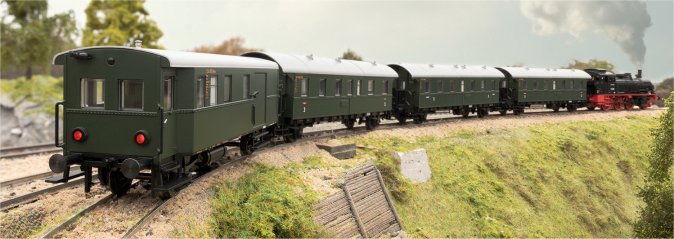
{"x":414,"y":165}
{"x":25,"y":126}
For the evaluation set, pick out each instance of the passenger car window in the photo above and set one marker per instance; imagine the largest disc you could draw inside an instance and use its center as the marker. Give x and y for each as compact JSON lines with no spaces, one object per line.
{"x":370,"y":87}
{"x":132,"y":95}
{"x":227,"y":92}
{"x":386,"y":88}
{"x":93,"y":93}
{"x":200,"y":92}
{"x":338,"y":87}
{"x":168,"y":93}
{"x":440,"y":85}
{"x":213,"y":91}
{"x":349,"y":87}
{"x":246,"y":86}
{"x":322,"y":87}
{"x":357,"y":87}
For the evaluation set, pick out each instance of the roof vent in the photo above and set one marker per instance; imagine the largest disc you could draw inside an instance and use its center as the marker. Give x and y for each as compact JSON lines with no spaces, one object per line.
{"x":431,"y":65}
{"x":138,"y":43}
{"x":463,"y":66}
{"x":527,"y":68}
{"x":310,"y":56}
{"x":374,"y":63}
{"x":456,"y":66}
{"x":484,"y":67}
{"x":338,"y":59}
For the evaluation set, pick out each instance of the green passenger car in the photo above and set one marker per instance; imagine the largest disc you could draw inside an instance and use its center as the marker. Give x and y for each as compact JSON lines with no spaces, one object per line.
{"x":316,"y":89}
{"x":423,"y":89}
{"x":158,"y":115}
{"x":554,"y":88}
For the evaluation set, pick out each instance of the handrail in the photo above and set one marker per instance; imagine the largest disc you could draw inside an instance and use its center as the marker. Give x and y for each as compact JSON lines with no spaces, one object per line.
{"x":56,"y":124}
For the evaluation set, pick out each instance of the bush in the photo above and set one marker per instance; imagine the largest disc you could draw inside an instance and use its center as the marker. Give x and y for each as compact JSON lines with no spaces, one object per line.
{"x":41,"y":90}
{"x":269,"y":202}
{"x":656,"y":218}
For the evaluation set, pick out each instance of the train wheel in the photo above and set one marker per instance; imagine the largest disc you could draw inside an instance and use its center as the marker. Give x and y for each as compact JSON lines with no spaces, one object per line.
{"x":571,"y":108}
{"x":555,"y":108}
{"x":590,"y":108}
{"x":370,"y":123}
{"x":629,"y":106}
{"x":103,"y":176}
{"x":503,"y":112}
{"x":402,"y":119}
{"x":349,"y":123}
{"x":618,"y":106}
{"x":605,"y":107}
{"x":418,"y":120}
{"x":118,"y":183}
{"x":465,"y":112}
{"x":643,"y":106}
{"x":246,"y":145}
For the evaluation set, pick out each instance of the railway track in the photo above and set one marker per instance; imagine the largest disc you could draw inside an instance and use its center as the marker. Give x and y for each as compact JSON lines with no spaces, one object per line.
{"x":33,"y":196}
{"x":22,"y":151}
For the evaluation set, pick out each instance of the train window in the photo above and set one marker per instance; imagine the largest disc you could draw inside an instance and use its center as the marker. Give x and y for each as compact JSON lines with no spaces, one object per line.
{"x":213,"y":91}
{"x":200,"y":92}
{"x":523,"y":84}
{"x":571,"y":84}
{"x":425,"y":86}
{"x":370,"y":87}
{"x":322,"y":87}
{"x":440,"y":85}
{"x":246,"y":86}
{"x":168,"y":93}
{"x":481,"y":84}
{"x":535,"y":84}
{"x":357,"y":87}
{"x":472,"y":85}
{"x":132,"y":95}
{"x":503,"y":83}
{"x":403,"y":84}
{"x":338,"y":87}
{"x":493,"y":85}
{"x":554,"y":85}
{"x":386,"y":88}
{"x":461,"y":86}
{"x":93,"y":93}
{"x":349,"y":87}
{"x":563,"y":85}
{"x":227,"y":92}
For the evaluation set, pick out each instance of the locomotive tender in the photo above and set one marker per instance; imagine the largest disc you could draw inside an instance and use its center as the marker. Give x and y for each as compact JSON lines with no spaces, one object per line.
{"x":163,"y":116}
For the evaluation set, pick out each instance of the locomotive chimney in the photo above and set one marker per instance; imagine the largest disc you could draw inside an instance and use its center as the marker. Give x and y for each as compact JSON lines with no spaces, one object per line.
{"x":639,"y":74}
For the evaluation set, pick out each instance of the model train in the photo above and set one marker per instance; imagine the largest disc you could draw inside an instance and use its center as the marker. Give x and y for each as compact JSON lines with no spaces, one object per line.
{"x":161,"y":116}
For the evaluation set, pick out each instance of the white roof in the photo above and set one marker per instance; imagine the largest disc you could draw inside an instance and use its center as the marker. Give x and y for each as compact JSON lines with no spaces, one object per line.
{"x":528,"y":72}
{"x":194,"y":59}
{"x":432,"y":70}
{"x":309,"y":64}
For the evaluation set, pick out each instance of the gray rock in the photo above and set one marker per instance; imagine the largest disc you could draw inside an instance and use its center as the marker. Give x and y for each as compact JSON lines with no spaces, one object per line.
{"x":414,"y":165}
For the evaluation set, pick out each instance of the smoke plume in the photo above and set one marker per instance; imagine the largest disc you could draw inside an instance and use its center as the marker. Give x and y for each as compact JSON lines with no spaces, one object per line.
{"x":624,"y":22}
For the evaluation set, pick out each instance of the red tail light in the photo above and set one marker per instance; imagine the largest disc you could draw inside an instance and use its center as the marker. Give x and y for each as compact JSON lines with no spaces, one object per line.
{"x":141,"y":137}
{"x":79,"y":135}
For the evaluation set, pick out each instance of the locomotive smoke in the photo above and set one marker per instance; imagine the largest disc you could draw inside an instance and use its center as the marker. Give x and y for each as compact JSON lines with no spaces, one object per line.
{"x":624,"y":22}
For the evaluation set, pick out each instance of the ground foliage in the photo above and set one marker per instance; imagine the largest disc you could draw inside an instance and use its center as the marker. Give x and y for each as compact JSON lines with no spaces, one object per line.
{"x":576,"y":179}
{"x":656,"y":218}
{"x":42,"y":91}
{"x":269,"y":202}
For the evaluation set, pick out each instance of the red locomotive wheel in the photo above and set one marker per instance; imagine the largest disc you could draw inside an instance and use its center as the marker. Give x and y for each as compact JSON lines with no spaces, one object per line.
{"x":618,"y":106}
{"x":629,"y":106}
{"x":605,"y":107}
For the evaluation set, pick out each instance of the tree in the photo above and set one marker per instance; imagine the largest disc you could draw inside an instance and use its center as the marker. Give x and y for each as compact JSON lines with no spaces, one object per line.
{"x":592,"y":64}
{"x":665,"y":88}
{"x":112,"y":22}
{"x":351,"y":55}
{"x":656,"y":217}
{"x":30,"y":38}
{"x":233,"y":46}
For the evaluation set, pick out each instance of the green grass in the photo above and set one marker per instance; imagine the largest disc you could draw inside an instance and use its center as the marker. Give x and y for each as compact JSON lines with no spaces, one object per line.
{"x":269,"y":202}
{"x":553,"y":180}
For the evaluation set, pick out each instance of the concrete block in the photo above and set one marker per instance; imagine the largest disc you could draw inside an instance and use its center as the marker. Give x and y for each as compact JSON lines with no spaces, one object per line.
{"x":414,"y":165}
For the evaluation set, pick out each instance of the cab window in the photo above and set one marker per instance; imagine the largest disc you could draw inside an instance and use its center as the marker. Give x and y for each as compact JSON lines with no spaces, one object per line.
{"x":93,"y":93}
{"x":132,"y":95}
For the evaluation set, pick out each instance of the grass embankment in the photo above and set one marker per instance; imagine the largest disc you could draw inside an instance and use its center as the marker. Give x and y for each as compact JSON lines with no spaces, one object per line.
{"x":553,"y":180}
{"x":269,"y":202}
